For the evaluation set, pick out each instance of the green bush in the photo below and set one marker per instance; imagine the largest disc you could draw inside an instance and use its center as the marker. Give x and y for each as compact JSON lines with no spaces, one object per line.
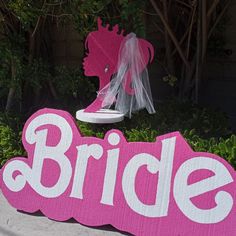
{"x":10,"y":136}
{"x":170,"y":116}
{"x":71,"y":84}
{"x":10,"y":145}
{"x":205,"y":130}
{"x":224,"y":147}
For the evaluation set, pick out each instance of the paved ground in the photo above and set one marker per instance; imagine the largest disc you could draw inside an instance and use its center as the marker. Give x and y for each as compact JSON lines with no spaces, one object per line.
{"x":14,"y":223}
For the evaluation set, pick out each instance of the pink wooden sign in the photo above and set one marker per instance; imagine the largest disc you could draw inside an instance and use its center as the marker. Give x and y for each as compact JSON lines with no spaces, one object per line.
{"x":103,"y":48}
{"x":160,"y":188}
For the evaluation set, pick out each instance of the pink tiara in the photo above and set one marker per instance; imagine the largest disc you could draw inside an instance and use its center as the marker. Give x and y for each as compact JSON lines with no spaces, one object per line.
{"x":115,"y":29}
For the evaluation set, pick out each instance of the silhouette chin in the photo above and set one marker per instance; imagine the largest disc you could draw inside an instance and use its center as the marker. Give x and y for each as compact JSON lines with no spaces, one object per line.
{"x":86,"y":73}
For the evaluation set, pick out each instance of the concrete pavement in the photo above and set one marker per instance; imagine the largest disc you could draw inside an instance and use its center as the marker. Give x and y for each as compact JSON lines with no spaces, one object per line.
{"x":15,"y":223}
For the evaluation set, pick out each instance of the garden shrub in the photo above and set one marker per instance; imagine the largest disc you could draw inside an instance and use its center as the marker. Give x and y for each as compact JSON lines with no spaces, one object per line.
{"x":170,"y":116}
{"x":205,"y":130}
{"x":71,"y":84}
{"x":224,"y":147}
{"x":10,"y":136}
{"x":10,"y":145}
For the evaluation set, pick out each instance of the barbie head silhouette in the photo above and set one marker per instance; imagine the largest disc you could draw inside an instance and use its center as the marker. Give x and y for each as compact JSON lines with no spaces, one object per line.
{"x":120,"y":63}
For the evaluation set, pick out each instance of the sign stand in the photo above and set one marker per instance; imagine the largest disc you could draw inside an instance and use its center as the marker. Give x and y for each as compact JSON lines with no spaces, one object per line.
{"x":102,"y":116}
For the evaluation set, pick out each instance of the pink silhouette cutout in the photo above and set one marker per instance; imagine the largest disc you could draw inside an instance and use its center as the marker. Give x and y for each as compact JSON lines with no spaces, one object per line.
{"x":103,"y":48}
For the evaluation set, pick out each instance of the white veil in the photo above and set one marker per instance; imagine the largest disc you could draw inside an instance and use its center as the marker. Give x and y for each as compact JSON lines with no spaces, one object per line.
{"x":129,"y":88}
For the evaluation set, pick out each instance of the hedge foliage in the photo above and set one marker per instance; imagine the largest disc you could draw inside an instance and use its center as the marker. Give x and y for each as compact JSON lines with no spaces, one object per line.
{"x":10,"y":143}
{"x":204,"y":129}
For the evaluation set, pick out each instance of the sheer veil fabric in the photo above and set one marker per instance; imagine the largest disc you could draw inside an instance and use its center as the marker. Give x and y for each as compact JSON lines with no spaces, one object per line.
{"x":129,"y":88}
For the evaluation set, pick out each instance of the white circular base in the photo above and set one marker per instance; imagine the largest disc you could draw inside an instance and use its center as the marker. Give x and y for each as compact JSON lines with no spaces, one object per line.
{"x":103,"y":116}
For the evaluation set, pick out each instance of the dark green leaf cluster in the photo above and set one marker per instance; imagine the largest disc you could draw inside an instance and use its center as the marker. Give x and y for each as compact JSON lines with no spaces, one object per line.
{"x":10,"y":142}
{"x":132,"y":13}
{"x":128,"y":14}
{"x":37,"y":73}
{"x":70,"y":83}
{"x":205,"y":130}
{"x":27,"y":11}
{"x":26,"y":63}
{"x":224,"y":147}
